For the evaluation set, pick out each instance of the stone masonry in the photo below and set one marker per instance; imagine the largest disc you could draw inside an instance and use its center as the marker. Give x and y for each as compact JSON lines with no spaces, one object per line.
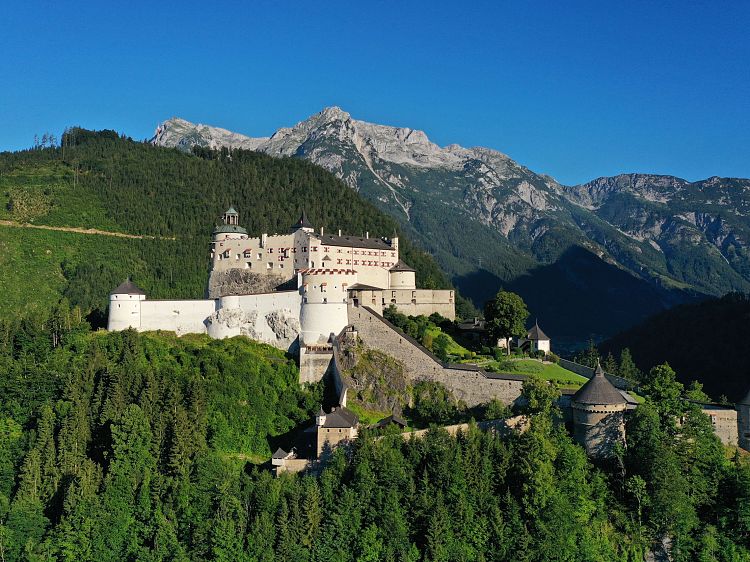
{"x":470,"y":384}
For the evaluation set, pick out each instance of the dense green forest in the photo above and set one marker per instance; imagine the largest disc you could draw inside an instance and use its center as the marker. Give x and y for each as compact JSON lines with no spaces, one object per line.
{"x":706,"y":342}
{"x":102,"y":181}
{"x":127,"y":446}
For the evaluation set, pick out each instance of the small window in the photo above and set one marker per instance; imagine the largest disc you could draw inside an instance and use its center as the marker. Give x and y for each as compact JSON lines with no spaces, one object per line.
{"x":269,"y":265}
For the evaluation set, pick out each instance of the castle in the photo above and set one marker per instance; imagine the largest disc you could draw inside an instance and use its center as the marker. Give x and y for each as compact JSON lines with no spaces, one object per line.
{"x":289,"y":290}
{"x":309,"y":293}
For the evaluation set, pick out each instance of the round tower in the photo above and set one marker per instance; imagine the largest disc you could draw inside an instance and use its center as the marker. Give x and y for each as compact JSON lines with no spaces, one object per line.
{"x":324,"y":302}
{"x":743,"y":422}
{"x":125,"y":307}
{"x":401,"y":276}
{"x":598,"y":416}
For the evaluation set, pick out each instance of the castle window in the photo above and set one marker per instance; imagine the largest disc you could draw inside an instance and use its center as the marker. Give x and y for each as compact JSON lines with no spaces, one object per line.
{"x":325,"y":300}
{"x":393,"y":254}
{"x":270,"y":250}
{"x":313,"y":248}
{"x":348,"y":262}
{"x":356,"y":262}
{"x":269,"y":265}
{"x":260,"y":256}
{"x":339,"y":250}
{"x":281,"y":266}
{"x":338,"y":261}
{"x":326,"y":249}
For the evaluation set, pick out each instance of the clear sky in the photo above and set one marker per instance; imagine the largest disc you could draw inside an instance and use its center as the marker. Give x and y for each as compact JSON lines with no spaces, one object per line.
{"x":573,"y":89}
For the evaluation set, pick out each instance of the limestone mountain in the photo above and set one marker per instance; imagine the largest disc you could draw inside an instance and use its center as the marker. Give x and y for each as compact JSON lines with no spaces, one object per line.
{"x":490,"y":221}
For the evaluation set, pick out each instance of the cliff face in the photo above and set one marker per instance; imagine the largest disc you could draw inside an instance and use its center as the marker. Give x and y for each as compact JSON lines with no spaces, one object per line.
{"x":242,"y":282}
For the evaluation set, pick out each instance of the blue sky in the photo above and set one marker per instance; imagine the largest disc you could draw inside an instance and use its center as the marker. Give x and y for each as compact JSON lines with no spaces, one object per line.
{"x":573,"y":89}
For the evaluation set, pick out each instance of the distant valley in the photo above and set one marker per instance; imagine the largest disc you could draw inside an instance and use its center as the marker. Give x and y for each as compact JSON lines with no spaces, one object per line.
{"x":592,"y":259}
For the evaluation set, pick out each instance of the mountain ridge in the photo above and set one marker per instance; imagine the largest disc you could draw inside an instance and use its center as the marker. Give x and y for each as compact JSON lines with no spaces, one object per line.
{"x":684,"y":240}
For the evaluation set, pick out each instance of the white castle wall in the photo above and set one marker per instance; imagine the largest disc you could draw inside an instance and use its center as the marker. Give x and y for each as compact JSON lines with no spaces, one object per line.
{"x":181,"y":317}
{"x":272,"y":318}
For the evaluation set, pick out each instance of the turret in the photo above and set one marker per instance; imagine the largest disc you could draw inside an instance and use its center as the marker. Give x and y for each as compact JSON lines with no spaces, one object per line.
{"x":230,"y":229}
{"x":320,"y":418}
{"x":401,"y":276}
{"x":303,"y":224}
{"x":598,"y":415}
{"x":125,"y":306}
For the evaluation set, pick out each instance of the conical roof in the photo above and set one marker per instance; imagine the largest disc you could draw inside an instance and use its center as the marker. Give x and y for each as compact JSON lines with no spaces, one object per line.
{"x":401,"y":266}
{"x":536,"y":333}
{"x":231,"y":211}
{"x":127,"y":287}
{"x":598,"y":390}
{"x":302,"y":222}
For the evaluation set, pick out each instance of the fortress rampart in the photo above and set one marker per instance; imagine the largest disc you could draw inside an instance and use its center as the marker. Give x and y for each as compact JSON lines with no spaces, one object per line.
{"x":470,"y":384}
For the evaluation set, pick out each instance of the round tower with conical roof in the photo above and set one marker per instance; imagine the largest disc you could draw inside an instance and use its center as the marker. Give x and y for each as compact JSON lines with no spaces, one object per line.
{"x":743,"y":422}
{"x":598,"y":416}
{"x":125,"y":306}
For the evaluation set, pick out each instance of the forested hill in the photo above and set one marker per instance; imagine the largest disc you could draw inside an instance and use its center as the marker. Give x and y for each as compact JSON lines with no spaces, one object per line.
{"x":127,"y":446}
{"x":707,"y":342}
{"x":102,"y":181}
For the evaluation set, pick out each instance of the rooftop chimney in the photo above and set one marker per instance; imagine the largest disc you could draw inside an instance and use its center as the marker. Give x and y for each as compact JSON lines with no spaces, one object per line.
{"x":367,"y":234}
{"x":339,"y":232}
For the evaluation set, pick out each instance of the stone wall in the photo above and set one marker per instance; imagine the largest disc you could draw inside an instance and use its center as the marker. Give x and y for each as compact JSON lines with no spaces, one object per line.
{"x":724,"y":421}
{"x":470,"y":384}
{"x":588,"y":372}
{"x":314,"y":363}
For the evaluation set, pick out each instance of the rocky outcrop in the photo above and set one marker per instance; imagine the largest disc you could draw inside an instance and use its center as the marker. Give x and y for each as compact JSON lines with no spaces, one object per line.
{"x":279,"y":328}
{"x":242,"y":282}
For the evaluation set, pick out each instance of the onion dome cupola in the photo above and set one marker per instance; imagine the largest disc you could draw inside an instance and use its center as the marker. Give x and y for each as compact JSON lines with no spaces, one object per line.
{"x":303,"y":223}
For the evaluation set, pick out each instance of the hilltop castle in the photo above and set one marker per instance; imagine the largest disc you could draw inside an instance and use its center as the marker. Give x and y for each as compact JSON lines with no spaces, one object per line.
{"x":289,"y":290}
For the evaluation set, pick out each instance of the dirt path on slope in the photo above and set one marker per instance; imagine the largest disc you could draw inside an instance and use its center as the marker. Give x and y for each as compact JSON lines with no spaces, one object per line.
{"x":81,"y":230}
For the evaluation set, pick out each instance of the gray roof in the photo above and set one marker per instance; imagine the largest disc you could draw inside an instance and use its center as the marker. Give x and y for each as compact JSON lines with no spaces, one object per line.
{"x":354,"y":241}
{"x":362,"y":287}
{"x":536,"y":333}
{"x":341,"y":417}
{"x":392,"y":419}
{"x":401,"y":266}
{"x":302,"y":222}
{"x":229,"y":228}
{"x":231,"y":211}
{"x":280,"y":454}
{"x":127,"y":287}
{"x":598,"y":390}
